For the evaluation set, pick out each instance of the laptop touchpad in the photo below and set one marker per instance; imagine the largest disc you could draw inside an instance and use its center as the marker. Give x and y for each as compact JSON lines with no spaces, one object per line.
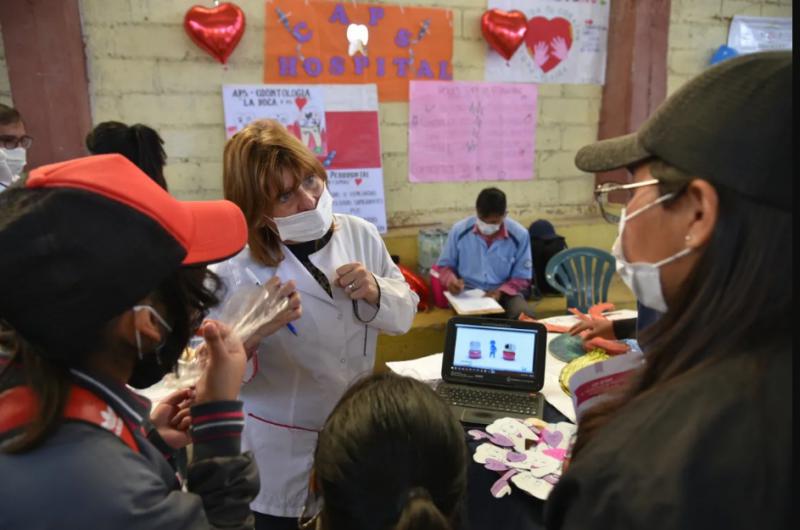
{"x":479,"y":416}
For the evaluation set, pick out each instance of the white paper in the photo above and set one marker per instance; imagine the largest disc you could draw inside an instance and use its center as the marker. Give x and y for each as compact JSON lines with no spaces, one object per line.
{"x":428,"y":368}
{"x":571,"y":320}
{"x":472,"y":302}
{"x":755,"y":34}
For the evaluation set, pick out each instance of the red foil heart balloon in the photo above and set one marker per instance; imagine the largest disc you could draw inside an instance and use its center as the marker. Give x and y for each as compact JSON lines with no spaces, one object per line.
{"x":217,"y":29}
{"x":504,"y":30}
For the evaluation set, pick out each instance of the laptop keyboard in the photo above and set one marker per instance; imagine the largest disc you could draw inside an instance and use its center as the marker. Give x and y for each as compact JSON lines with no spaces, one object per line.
{"x":488,"y":399}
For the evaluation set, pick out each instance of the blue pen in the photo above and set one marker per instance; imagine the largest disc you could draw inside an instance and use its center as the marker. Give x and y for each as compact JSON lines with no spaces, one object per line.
{"x":255,"y":279}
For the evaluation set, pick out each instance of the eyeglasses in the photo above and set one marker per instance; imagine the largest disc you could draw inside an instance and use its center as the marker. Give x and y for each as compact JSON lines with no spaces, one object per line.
{"x":611,"y":211}
{"x":12,"y":142}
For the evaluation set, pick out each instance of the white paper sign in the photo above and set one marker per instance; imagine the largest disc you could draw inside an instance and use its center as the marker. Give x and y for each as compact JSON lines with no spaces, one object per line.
{"x":755,"y":34}
{"x":565,"y":42}
{"x":301,"y":108}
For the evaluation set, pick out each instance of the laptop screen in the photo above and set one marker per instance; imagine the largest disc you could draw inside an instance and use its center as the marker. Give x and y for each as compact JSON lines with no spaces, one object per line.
{"x":498,"y":353}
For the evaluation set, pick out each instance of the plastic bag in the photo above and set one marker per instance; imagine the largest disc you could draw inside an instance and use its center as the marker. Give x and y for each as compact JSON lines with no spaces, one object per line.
{"x":251,"y":307}
{"x":245,"y":312}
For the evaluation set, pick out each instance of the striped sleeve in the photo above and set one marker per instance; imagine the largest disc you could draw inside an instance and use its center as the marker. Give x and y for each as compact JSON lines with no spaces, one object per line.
{"x":217,"y":429}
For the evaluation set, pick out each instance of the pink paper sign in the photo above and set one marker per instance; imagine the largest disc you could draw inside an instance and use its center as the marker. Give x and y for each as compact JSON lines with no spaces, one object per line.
{"x":462,"y":131}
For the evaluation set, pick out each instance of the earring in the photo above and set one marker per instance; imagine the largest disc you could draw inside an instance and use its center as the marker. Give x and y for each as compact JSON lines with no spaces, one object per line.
{"x":688,"y":238}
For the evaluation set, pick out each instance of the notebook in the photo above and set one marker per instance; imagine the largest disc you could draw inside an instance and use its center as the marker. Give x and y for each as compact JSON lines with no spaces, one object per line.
{"x":493,"y":368}
{"x":473,"y":302}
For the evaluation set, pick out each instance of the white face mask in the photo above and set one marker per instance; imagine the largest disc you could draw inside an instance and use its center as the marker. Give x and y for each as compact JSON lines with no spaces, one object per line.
{"x":486,"y":228}
{"x":309,"y":225}
{"x":12,"y":162}
{"x":644,"y":279}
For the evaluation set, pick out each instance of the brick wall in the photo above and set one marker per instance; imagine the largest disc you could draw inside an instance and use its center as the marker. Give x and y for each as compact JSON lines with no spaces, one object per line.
{"x":143,"y":68}
{"x":699,"y":27}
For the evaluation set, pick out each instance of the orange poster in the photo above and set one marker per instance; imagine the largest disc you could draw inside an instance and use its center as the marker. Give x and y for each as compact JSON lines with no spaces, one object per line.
{"x":349,"y":42}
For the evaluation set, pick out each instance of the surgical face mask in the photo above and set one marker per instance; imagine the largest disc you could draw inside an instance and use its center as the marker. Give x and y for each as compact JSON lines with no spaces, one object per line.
{"x":644,"y":279}
{"x":488,"y":229}
{"x":151,"y":368}
{"x":12,"y":162}
{"x":310,"y":225}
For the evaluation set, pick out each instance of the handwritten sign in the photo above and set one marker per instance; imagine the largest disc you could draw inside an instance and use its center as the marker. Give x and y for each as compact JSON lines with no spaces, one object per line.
{"x":565,"y":42}
{"x":471,"y":131}
{"x":349,"y":42}
{"x":301,"y":109}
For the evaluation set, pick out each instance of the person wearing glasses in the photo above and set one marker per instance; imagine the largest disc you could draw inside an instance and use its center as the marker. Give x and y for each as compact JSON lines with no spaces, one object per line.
{"x":390,"y":455}
{"x":14,"y":143}
{"x":701,"y":434}
{"x":351,"y":291}
{"x":623,"y":328}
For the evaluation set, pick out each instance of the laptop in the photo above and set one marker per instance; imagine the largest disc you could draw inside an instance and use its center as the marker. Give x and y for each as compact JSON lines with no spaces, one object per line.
{"x":493,"y":368}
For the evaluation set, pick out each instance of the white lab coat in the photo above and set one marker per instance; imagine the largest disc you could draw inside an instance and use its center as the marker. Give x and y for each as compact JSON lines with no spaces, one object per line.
{"x":293,"y":382}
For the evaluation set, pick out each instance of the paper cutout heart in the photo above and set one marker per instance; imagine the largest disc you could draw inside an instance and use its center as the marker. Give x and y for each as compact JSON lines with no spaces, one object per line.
{"x":552,"y":438}
{"x":504,"y":30}
{"x":300,"y":102}
{"x":548,"y":41}
{"x":359,"y":181}
{"x":217,"y":30}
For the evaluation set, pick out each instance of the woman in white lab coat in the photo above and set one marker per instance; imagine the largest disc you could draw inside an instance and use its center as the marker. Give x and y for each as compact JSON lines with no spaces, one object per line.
{"x":350,"y":291}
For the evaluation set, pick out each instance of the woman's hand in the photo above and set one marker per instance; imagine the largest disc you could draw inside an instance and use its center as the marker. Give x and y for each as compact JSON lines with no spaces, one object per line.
{"x":224,"y":364}
{"x":594,"y":327}
{"x":358,"y":282}
{"x":291,"y":311}
{"x":171,"y":417}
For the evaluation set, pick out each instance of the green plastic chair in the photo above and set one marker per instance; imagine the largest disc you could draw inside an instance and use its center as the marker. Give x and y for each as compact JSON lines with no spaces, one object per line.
{"x":582,"y":274}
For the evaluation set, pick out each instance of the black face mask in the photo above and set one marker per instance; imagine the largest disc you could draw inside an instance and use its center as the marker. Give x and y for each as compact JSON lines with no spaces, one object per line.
{"x":149,"y":371}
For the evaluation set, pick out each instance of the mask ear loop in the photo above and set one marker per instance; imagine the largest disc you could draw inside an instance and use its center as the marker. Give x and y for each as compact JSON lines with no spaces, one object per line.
{"x":139,"y":337}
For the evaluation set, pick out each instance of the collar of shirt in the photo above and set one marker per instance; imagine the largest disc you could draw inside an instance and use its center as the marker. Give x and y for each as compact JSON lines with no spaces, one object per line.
{"x":132,"y":407}
{"x":500,"y":234}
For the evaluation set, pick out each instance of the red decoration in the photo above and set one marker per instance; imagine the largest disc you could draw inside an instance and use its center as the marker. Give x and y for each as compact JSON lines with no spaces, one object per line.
{"x":504,"y":30}
{"x":546,"y":33}
{"x":217,"y":29}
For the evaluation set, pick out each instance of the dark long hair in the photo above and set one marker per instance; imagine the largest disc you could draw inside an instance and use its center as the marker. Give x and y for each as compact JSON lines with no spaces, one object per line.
{"x":736,"y":301}
{"x":138,"y":143}
{"x":187,"y":294}
{"x":391,"y":456}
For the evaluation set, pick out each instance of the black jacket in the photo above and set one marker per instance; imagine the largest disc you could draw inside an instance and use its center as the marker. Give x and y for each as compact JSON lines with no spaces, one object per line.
{"x":713,"y":449}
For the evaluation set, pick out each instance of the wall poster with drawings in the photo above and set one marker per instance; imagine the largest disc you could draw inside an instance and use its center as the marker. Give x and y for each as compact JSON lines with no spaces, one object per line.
{"x":339,"y":123}
{"x":471,"y":131}
{"x":565,"y":42}
{"x":300,"y":108}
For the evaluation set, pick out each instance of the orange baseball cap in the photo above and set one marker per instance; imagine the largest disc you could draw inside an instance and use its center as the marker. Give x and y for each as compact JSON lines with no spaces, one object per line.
{"x":209,"y":231}
{"x":86,"y":239}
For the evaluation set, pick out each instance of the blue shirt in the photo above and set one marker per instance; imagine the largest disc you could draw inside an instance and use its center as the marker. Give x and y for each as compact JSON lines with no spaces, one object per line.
{"x":483,"y":266}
